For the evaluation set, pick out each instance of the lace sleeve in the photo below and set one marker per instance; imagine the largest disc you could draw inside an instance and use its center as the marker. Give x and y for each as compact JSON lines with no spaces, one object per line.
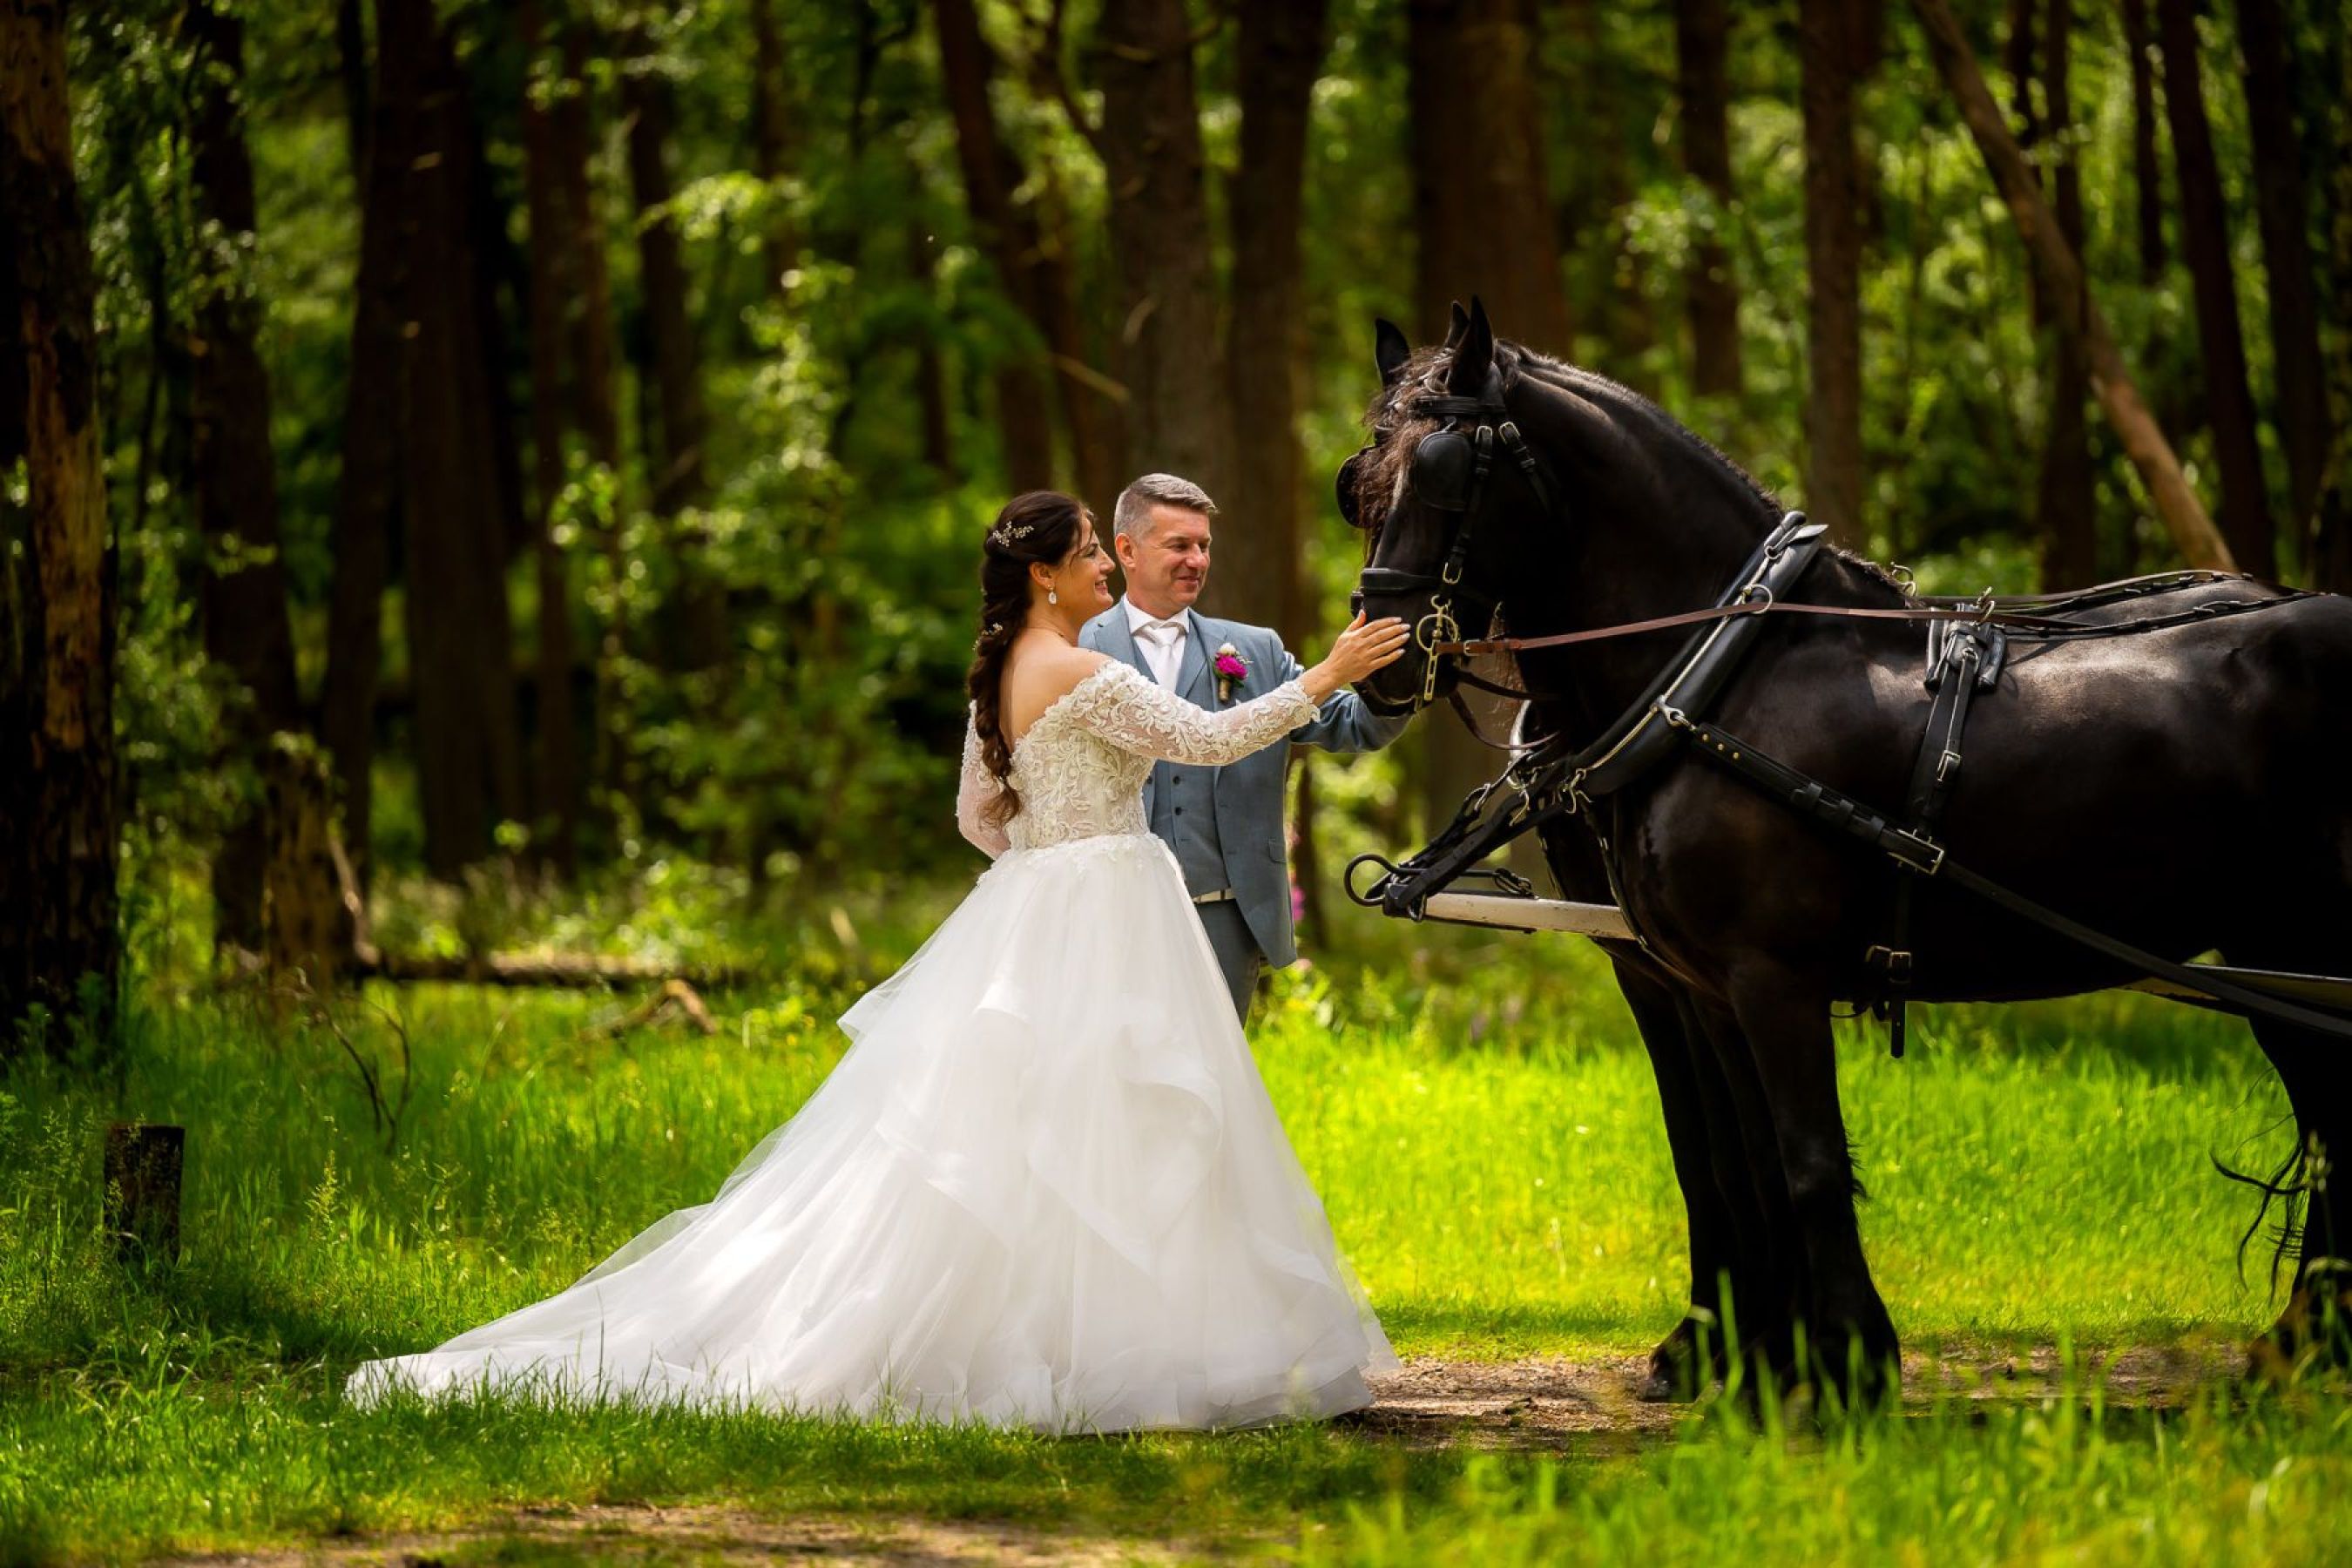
{"x":974,"y":791}
{"x":1140,"y":716}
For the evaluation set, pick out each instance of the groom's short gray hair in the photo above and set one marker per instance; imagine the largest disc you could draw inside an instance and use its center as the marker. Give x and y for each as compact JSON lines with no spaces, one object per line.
{"x":1132,"y":516}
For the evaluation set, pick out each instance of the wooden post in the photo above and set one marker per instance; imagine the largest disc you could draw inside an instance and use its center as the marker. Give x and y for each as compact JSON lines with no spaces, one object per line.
{"x":142,"y":1190}
{"x":2078,"y":315}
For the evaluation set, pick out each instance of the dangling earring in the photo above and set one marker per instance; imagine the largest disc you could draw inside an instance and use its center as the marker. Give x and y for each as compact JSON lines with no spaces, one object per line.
{"x":1053,"y":596}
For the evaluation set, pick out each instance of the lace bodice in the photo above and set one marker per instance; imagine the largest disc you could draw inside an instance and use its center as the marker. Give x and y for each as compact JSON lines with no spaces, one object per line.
{"x":1079,"y":768}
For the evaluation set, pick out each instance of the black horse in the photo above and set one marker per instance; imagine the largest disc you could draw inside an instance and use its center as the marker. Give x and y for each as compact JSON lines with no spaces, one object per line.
{"x":2171,"y":788}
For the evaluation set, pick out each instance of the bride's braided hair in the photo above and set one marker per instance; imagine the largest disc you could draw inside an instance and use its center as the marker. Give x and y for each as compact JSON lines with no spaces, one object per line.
{"x":1034,"y":526}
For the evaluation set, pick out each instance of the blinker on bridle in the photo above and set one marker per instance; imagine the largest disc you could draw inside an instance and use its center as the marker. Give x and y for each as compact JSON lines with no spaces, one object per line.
{"x":1449,"y":474}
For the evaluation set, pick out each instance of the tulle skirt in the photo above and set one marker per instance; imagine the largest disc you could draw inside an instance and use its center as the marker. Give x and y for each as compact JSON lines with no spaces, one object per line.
{"x":1045,"y":1188}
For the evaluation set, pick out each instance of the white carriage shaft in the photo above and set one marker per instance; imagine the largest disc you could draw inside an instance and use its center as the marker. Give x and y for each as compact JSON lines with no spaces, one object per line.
{"x":1606,"y":923}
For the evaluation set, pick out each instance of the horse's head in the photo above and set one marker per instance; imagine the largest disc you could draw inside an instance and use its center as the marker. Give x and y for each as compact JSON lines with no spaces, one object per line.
{"x":1499,"y":481}
{"x":1444,"y":490}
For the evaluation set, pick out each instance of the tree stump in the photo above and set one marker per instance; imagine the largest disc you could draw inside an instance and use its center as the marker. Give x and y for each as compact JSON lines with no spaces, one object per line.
{"x":142,"y":1190}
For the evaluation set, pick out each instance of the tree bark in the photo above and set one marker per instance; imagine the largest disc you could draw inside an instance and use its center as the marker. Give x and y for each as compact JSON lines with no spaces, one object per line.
{"x":2069,"y":516}
{"x":1481,"y":214}
{"x":2063,"y":280}
{"x":1609,"y":305}
{"x":554,"y":292}
{"x":596,"y":412}
{"x":697,"y":630}
{"x":2291,"y":308}
{"x":368,"y":494}
{"x":1159,"y":230}
{"x":991,"y":175}
{"x":2220,"y":341}
{"x":2332,"y":557}
{"x":59,"y":823}
{"x":1481,"y":203}
{"x":459,"y":629}
{"x":771,"y":138}
{"x":1834,"y":463}
{"x":1701,"y":56}
{"x":234,"y":472}
{"x":2148,"y":170}
{"x":1260,"y":567}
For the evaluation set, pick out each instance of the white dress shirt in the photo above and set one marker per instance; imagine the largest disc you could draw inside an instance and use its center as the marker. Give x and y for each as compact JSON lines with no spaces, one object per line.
{"x":1162,"y":642}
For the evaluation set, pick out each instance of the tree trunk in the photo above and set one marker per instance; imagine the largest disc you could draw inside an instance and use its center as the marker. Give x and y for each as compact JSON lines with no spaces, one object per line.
{"x":60,"y":825}
{"x":554,"y":291}
{"x":2063,"y":282}
{"x":1481,"y":201}
{"x":2205,"y":237}
{"x":931,"y":397}
{"x":1483,"y":219}
{"x":1260,"y":567}
{"x":2291,"y":306}
{"x":771,"y":138}
{"x":1159,"y":230}
{"x":596,"y":412}
{"x":2068,"y":509}
{"x":1702,"y":55}
{"x":369,"y":497}
{"x":468,"y":757}
{"x":2148,"y":170}
{"x":234,"y":472}
{"x":2332,"y":558}
{"x":1834,"y":461}
{"x":1610,"y":309}
{"x":991,"y":175}
{"x":697,"y":636}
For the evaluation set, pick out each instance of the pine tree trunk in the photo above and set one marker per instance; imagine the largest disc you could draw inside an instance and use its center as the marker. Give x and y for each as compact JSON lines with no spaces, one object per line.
{"x":1834,"y":463}
{"x":2292,"y":307}
{"x":595,"y":413}
{"x":772,"y":137}
{"x":368,"y":500}
{"x":990,"y":176}
{"x":1482,"y":216}
{"x":1259,"y":566}
{"x":1160,"y":231}
{"x":2064,"y":499}
{"x":554,"y":291}
{"x":2205,"y":237}
{"x":460,"y":634}
{"x":2148,"y":169}
{"x":698,"y":633}
{"x":2063,"y":283}
{"x":234,"y":472}
{"x":59,"y":822}
{"x":1702,"y":54}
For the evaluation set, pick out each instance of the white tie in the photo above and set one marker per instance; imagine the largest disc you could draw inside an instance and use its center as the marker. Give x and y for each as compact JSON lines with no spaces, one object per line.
{"x":1160,"y":639}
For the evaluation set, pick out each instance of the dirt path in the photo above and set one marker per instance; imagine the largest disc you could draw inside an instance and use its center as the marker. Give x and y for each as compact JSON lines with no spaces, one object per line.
{"x":1536,"y":1403}
{"x":1587,"y":1405}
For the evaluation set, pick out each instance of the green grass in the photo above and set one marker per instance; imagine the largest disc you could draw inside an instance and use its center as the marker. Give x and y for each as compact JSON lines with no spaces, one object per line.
{"x":1478,"y":1117}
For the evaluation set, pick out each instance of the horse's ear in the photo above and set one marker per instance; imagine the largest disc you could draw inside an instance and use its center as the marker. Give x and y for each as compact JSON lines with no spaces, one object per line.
{"x":1474,"y":356}
{"x":1459,"y":325}
{"x":1389,"y":350}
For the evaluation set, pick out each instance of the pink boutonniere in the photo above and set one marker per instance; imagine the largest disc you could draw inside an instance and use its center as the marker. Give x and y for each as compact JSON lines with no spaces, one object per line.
{"x":1230,"y":667}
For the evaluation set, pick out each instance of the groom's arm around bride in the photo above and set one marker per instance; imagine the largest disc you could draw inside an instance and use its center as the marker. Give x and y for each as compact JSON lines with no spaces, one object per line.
{"x":1224,"y":825}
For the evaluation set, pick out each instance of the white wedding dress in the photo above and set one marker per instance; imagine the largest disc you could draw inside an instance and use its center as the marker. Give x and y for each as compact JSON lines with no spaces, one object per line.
{"x":1044,"y":1188}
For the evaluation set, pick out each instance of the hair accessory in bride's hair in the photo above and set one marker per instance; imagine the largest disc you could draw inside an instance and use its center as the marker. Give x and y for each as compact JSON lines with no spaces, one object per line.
{"x":1005,"y":534}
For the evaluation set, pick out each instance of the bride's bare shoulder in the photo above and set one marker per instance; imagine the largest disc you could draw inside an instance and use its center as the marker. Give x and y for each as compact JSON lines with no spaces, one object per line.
{"x":1034,"y":681}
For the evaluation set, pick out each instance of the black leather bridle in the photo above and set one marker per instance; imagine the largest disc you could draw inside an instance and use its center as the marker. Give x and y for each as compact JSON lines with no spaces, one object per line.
{"x":1450,"y":470}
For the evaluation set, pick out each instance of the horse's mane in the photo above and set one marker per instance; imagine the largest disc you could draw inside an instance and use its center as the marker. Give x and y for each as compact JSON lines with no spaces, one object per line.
{"x":1397,"y":428}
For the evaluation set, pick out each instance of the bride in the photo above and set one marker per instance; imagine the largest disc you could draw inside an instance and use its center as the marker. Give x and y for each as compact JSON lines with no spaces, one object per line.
{"x":1044,"y":1188}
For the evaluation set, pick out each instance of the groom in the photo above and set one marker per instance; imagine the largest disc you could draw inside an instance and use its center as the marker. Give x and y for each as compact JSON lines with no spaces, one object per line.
{"x":1224,"y":823}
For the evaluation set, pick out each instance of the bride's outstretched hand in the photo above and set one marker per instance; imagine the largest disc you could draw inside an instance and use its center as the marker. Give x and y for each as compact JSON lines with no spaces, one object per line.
{"x":1363,"y":648}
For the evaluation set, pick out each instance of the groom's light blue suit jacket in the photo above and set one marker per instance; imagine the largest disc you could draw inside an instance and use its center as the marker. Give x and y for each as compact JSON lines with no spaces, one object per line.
{"x":1226,"y":823}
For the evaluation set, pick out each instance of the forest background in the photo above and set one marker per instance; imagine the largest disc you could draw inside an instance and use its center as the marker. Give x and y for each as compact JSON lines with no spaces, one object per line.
{"x":528,"y":446}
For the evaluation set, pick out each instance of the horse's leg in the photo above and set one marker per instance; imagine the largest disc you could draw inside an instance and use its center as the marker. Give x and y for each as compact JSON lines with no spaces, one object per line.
{"x":1678,"y":1058}
{"x":1766,"y":1295}
{"x":1787,"y":1023}
{"x":2317,"y":1321}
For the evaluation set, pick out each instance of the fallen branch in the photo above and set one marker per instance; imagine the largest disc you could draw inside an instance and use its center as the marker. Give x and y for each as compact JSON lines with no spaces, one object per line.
{"x":674,"y":995}
{"x":585,"y":970}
